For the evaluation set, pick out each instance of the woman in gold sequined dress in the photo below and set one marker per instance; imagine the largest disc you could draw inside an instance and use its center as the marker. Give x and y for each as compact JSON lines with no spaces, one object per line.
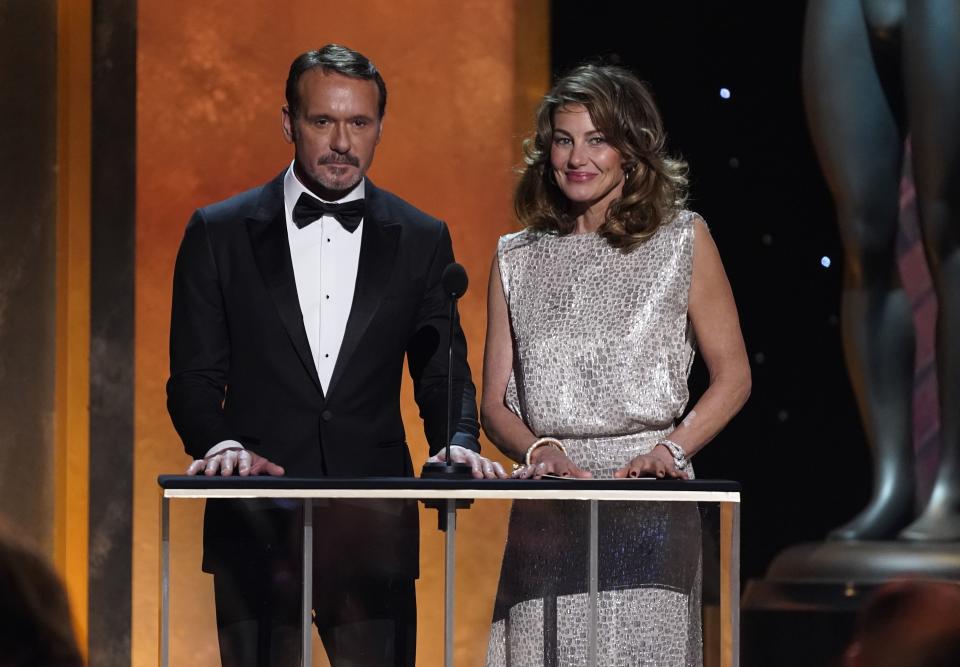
{"x":592,"y":316}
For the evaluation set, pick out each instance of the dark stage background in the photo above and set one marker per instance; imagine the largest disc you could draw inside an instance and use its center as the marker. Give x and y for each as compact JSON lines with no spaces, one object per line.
{"x":797,"y":447}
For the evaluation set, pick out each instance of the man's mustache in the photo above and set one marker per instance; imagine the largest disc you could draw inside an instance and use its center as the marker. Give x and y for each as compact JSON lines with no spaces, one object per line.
{"x":339,"y":158}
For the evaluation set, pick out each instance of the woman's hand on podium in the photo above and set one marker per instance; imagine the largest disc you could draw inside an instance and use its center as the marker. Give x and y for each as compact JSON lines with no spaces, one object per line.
{"x":657,"y":463}
{"x":481,"y":467}
{"x":235,"y":459}
{"x":550,"y":461}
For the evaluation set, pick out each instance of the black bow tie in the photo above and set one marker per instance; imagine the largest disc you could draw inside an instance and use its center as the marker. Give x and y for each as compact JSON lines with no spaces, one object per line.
{"x":308,"y":209}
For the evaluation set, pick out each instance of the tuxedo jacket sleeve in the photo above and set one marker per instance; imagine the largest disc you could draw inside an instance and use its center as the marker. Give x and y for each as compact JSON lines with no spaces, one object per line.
{"x":199,"y":345}
{"x":427,"y":354}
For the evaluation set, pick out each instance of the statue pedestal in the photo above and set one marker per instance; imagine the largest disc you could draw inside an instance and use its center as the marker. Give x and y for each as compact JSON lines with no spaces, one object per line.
{"x":802,"y":613}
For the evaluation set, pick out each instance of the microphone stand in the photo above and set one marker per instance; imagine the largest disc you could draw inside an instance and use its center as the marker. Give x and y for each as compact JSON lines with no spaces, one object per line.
{"x":447,"y":469}
{"x":454,"y":281}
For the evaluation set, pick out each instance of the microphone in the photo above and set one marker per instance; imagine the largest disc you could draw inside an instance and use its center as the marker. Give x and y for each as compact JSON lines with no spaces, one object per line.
{"x":454,"y":280}
{"x":454,"y":283}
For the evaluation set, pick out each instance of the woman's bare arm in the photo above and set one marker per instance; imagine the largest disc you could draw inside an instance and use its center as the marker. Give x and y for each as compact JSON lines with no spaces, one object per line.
{"x":716,"y":325}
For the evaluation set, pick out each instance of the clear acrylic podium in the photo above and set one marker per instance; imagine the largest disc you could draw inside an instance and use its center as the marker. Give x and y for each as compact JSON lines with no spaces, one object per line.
{"x":449,"y":496}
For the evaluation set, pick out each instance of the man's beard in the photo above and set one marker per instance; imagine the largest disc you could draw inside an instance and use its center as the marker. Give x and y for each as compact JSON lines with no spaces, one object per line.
{"x":326,"y":185}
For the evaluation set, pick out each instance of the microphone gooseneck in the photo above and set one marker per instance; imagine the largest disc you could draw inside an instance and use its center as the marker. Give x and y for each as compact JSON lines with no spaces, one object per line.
{"x":453,"y":283}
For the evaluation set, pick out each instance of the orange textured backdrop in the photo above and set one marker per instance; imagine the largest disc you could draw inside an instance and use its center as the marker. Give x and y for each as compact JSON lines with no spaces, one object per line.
{"x":461,"y":78}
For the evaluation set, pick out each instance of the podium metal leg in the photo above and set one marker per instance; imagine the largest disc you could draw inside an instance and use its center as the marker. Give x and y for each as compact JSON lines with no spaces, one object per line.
{"x":593,"y":582}
{"x":449,"y":571}
{"x":730,"y":584}
{"x":164,"y":656}
{"x":306,"y":630}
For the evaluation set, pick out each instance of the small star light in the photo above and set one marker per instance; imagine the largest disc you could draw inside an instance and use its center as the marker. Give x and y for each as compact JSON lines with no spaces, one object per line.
{"x":825,"y":262}
{"x":725,"y":93}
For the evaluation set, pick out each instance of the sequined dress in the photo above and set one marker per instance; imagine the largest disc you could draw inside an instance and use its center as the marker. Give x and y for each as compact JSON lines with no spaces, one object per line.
{"x":602,"y":352}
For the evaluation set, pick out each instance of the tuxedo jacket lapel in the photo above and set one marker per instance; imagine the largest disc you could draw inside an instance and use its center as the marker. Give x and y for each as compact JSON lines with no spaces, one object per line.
{"x":267,"y":227}
{"x":378,"y":249}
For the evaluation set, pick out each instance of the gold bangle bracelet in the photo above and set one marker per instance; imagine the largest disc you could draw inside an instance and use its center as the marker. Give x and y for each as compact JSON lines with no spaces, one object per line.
{"x":541,"y":443}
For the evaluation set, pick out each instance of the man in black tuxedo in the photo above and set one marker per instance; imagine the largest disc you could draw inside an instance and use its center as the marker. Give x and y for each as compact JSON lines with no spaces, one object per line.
{"x":294,"y":305}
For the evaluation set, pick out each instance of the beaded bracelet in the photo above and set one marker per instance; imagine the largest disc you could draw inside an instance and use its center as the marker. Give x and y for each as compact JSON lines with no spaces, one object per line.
{"x":541,"y":443}
{"x":676,"y":451}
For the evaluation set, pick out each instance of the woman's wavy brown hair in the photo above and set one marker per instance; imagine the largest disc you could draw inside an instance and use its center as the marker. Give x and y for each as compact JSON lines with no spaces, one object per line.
{"x":621,"y":108}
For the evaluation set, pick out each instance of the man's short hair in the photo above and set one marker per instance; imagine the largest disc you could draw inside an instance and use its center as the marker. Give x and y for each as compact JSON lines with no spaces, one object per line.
{"x":340,"y":60}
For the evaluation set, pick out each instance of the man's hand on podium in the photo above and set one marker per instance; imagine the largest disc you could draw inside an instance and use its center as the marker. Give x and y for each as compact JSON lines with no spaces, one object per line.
{"x":481,"y":467}
{"x":235,"y":459}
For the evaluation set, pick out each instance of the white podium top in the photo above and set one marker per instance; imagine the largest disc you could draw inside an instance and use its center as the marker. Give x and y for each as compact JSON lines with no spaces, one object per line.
{"x":718,"y":491}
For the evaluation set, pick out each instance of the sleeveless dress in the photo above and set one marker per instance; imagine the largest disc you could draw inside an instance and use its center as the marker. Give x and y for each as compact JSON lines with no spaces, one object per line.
{"x":602,"y":352}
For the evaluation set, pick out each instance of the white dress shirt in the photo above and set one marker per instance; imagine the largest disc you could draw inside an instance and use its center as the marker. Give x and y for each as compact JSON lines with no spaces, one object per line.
{"x":325,"y":258}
